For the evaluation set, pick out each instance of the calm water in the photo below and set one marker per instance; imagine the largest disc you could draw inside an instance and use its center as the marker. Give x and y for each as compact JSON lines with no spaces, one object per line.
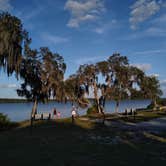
{"x":21,"y":111}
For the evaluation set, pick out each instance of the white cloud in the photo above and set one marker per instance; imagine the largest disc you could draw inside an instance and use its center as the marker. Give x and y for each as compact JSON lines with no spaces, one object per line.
{"x":157,"y":29}
{"x":142,"y":10}
{"x":156,"y":32}
{"x":87,"y":60}
{"x":163,"y":83}
{"x":10,"y":86}
{"x":144,"y":67}
{"x":5,"y":5}
{"x":106,"y":27}
{"x":146,"y":52}
{"x":155,"y":75}
{"x":83,"y":11}
{"x":160,"y":20}
{"x":53,"y":39}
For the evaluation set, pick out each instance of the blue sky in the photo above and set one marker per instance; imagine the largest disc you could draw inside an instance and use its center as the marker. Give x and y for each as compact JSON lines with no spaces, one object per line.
{"x":87,"y":31}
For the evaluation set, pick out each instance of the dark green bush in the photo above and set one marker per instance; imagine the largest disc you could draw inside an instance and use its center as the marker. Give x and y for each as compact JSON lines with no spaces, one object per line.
{"x":160,"y":102}
{"x":5,"y":123}
{"x":3,"y":118}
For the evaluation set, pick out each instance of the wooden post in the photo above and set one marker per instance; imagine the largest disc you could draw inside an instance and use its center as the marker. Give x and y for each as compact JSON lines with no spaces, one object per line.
{"x":31,"y":125}
{"x":72,"y":119}
{"x":49,"y":117}
{"x":41,"y":116}
{"x":134,"y":114}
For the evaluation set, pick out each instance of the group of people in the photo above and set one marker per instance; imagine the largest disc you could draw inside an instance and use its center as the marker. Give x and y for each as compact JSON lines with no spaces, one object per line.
{"x":56,"y":114}
{"x":74,"y":113}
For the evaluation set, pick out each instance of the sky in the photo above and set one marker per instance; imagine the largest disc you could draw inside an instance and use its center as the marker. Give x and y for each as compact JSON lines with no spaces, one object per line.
{"x":87,"y":31}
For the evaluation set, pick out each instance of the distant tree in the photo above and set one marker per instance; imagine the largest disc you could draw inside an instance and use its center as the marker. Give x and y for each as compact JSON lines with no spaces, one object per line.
{"x":71,"y":87}
{"x":12,"y":36}
{"x":150,"y":88}
{"x":124,"y":80}
{"x":52,"y":74}
{"x":89,"y":75}
{"x":120,"y":77}
{"x":136,"y":80}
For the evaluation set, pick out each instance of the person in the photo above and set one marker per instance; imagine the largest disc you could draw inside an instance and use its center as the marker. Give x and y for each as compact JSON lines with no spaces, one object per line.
{"x":54,"y":113}
{"x":73,"y":113}
{"x":59,"y":114}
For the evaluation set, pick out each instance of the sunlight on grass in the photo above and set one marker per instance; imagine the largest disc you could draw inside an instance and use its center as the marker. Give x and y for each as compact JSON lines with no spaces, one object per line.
{"x":154,"y":137}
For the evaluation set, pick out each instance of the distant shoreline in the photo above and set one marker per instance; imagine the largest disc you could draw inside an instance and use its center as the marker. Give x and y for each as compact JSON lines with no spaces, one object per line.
{"x":14,"y":100}
{"x":5,"y":100}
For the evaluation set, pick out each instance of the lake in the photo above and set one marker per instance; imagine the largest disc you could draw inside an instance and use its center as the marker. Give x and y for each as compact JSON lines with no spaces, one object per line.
{"x":21,"y":111}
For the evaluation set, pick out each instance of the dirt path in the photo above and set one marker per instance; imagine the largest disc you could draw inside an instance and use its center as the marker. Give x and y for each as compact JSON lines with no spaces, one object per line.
{"x":155,"y":125}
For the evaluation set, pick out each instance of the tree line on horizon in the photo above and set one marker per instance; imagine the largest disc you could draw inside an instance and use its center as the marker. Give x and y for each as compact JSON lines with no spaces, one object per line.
{"x":42,"y":73}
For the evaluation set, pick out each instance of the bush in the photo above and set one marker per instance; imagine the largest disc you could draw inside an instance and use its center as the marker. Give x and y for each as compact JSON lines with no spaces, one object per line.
{"x":3,"y":118}
{"x":5,"y":122}
{"x":92,"y":110}
{"x":160,"y":102}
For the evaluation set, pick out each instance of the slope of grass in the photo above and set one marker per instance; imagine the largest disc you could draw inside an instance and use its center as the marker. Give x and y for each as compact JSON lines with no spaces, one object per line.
{"x":85,"y":143}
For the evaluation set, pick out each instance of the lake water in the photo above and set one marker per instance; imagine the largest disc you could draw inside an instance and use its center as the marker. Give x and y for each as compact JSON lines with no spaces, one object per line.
{"x":21,"y":111}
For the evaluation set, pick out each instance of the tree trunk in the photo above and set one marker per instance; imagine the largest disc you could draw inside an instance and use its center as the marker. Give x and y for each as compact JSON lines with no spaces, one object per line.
{"x":98,"y":105}
{"x":96,"y":97}
{"x":117,"y":107}
{"x":155,"y":103}
{"x":34,"y":109}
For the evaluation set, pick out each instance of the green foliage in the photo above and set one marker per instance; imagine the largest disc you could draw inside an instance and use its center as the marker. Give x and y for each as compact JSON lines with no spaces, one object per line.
{"x":42,"y":72}
{"x":6,"y":124}
{"x":150,"y":88}
{"x":159,"y":102}
{"x":92,"y":110}
{"x":12,"y":37}
{"x":4,"y":121}
{"x":3,"y":118}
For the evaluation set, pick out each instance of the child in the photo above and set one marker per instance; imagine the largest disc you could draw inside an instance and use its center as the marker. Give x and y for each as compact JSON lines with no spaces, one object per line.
{"x":59,"y":114}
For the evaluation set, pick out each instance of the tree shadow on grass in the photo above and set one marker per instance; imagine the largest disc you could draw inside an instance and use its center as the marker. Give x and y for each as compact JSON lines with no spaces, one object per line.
{"x":62,"y":143}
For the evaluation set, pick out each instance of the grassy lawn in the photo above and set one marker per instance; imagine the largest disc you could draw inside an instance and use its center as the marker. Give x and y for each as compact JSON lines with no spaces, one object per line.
{"x":84,"y":143}
{"x":145,"y":116}
{"x":141,"y":116}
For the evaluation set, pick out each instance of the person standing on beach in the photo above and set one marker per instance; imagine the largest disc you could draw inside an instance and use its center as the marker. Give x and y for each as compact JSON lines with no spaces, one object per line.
{"x":73,"y":113}
{"x":54,"y":113}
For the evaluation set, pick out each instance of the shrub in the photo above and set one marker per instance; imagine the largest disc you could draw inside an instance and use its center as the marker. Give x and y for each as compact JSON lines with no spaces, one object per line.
{"x":160,"y":102}
{"x":3,"y":118}
{"x":5,"y":122}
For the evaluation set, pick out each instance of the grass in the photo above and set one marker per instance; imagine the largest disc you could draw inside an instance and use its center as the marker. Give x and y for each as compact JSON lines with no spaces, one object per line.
{"x":141,"y":116}
{"x":85,"y":143}
{"x":145,"y":116}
